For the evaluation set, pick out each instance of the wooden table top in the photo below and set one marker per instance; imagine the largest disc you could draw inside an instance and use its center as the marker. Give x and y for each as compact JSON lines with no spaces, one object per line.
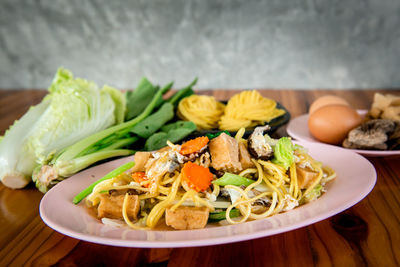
{"x":365,"y":234}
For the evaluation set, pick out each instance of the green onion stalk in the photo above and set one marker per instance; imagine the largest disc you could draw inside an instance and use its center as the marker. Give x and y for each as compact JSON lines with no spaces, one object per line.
{"x":108,"y":143}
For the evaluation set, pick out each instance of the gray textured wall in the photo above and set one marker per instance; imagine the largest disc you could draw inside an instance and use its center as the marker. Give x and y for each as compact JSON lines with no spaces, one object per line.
{"x":227,"y":44}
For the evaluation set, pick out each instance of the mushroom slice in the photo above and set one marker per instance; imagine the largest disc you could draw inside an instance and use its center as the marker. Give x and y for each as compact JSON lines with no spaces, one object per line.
{"x":372,"y":134}
{"x":258,"y":145}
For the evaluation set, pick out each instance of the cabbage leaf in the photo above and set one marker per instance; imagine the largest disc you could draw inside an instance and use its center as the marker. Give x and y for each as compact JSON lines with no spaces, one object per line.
{"x":283,"y":152}
{"x":72,"y":110}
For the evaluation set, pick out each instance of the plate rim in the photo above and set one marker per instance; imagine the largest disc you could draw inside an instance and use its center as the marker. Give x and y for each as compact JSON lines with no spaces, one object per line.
{"x":206,"y":241}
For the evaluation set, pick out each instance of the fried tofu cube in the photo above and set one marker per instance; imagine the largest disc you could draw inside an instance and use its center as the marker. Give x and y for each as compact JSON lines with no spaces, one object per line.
{"x":111,"y":206}
{"x":186,"y":218}
{"x":244,"y":157}
{"x":224,"y":151}
{"x":305,"y":177}
{"x":141,"y":158}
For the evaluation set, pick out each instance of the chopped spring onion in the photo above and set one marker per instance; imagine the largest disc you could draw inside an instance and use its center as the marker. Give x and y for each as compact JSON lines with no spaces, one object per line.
{"x":233,"y":179}
{"x":78,"y":198}
{"x":219,"y":216}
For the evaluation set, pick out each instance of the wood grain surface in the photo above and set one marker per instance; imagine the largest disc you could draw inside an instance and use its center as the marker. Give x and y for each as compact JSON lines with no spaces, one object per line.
{"x":367,"y":234}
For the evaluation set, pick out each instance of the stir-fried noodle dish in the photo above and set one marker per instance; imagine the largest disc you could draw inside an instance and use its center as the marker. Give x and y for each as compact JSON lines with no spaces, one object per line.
{"x":211,"y":179}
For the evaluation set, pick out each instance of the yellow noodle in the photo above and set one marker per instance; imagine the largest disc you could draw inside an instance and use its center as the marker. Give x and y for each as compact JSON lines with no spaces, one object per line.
{"x":294,"y":186}
{"x":248,"y":109}
{"x":270,"y":209}
{"x":317,"y":181}
{"x":239,"y":135}
{"x":203,"y":110}
{"x":158,"y":210}
{"x":126,"y":218}
{"x":248,"y":208}
{"x":188,"y":194}
{"x":247,"y":171}
{"x":331,"y":174}
{"x":216,"y":190}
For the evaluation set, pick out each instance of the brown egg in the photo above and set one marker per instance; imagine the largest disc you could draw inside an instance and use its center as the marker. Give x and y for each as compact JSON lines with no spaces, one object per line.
{"x":325,"y":101}
{"x":331,"y":124}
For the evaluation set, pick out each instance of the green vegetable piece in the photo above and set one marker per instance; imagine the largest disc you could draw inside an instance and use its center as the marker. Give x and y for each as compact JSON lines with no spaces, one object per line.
{"x":283,"y":152}
{"x":178,"y":125}
{"x":120,"y":101}
{"x":312,"y":195}
{"x":154,"y":122}
{"x":98,"y":146}
{"x":161,"y":100}
{"x":156,"y":141}
{"x":173,"y":132}
{"x":73,"y":109}
{"x":176,"y":135}
{"x":78,"y":198}
{"x":211,"y":135}
{"x":184,"y":92}
{"x":138,"y":99}
{"x":233,"y":179}
{"x":219,"y":216}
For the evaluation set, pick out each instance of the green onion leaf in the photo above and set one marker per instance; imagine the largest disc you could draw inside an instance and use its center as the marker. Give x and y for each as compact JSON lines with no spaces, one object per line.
{"x":78,"y":198}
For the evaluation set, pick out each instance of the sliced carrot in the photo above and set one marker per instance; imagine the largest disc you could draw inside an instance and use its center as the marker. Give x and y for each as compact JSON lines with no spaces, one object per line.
{"x":194,"y":145}
{"x":140,"y":177}
{"x":197,"y":177}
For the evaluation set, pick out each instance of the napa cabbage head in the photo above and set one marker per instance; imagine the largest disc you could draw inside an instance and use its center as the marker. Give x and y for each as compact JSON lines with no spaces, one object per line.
{"x":72,"y":110}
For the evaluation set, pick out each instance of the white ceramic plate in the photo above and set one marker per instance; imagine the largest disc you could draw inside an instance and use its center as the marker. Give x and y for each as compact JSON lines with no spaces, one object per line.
{"x":355,"y":179}
{"x":298,"y":129}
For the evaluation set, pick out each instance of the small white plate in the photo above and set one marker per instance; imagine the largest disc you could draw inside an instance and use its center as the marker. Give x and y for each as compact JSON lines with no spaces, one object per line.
{"x":350,"y":186}
{"x":298,"y":129}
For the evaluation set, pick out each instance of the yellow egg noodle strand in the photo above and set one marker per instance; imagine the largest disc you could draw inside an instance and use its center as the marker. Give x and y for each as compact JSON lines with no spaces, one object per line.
{"x":331,"y":174}
{"x":294,"y":186}
{"x":239,"y":135}
{"x":204,"y":202}
{"x":245,"y":214}
{"x":317,"y":181}
{"x":188,"y":194}
{"x":258,"y":110}
{"x":268,"y":183}
{"x":126,"y":218}
{"x":147,"y":196}
{"x":244,"y":205}
{"x":270,"y":210}
{"x":279,"y":202}
{"x":277,"y":171}
{"x":245,"y":172}
{"x":158,"y":210}
{"x":216,"y":190}
{"x":93,"y":199}
{"x":292,"y":171}
{"x":283,"y":189}
{"x":259,"y":179}
{"x":204,"y":111}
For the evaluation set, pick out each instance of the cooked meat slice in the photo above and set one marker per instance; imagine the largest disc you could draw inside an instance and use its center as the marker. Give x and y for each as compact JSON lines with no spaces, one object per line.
{"x":111,"y":206}
{"x":258,"y":146}
{"x":186,"y":218}
{"x":244,"y":157}
{"x":305,"y":177}
{"x":372,"y":134}
{"x":224,"y":151}
{"x":140,"y":161}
